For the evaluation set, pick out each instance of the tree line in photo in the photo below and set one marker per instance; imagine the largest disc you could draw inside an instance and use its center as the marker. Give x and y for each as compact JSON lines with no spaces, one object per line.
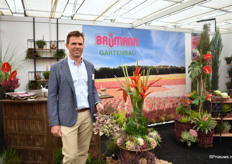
{"x":107,"y":72}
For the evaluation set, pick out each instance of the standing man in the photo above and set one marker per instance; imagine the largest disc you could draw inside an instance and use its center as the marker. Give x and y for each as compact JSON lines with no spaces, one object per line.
{"x":72,"y":101}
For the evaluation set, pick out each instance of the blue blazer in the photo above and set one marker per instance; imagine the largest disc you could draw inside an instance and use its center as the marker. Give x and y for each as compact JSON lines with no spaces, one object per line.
{"x":62,"y":101}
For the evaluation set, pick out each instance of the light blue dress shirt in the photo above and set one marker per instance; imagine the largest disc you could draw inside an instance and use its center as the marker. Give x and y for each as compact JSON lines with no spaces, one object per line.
{"x":80,"y":79}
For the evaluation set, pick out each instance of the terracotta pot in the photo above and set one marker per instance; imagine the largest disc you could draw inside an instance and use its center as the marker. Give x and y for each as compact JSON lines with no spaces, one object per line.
{"x":205,"y":140}
{"x":179,"y":127}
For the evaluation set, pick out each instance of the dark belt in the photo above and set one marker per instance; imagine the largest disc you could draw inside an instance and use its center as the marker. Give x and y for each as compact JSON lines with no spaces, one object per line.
{"x":82,"y":110}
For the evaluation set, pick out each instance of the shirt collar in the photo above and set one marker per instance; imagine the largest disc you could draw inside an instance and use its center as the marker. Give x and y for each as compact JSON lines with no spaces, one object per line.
{"x":71,"y":61}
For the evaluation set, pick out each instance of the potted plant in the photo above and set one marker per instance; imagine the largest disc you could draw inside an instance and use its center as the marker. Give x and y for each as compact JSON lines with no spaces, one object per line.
{"x":228,"y":59}
{"x":230,"y":72}
{"x":10,"y":81}
{"x":46,"y":74}
{"x":130,"y":131}
{"x":228,"y":85}
{"x":33,"y":85}
{"x":60,"y":53}
{"x":226,"y":127}
{"x":189,"y":136}
{"x":40,"y":43}
{"x":204,"y":125}
{"x":31,"y":53}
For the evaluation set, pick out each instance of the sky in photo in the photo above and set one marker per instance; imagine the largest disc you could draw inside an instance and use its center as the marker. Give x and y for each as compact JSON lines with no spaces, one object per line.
{"x":154,"y":47}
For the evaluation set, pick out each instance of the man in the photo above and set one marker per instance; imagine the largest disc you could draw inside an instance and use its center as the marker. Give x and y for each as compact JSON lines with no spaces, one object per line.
{"x":72,"y":101}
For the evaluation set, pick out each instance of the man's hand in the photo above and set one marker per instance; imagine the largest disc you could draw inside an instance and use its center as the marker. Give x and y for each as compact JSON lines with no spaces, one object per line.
{"x":99,"y":106}
{"x":56,"y":130}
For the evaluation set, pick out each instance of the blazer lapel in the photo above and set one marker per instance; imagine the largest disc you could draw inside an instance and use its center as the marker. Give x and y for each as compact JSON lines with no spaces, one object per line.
{"x":67,"y":73}
{"x":89,"y":72}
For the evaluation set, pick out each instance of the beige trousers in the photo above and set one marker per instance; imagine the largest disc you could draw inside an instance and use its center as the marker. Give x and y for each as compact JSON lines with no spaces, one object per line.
{"x":76,"y":139}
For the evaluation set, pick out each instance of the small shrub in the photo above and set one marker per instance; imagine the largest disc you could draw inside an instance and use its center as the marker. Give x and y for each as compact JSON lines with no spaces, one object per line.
{"x":10,"y":156}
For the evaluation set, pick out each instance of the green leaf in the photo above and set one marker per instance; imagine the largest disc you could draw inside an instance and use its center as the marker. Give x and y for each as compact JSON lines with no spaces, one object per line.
{"x":195,"y":69}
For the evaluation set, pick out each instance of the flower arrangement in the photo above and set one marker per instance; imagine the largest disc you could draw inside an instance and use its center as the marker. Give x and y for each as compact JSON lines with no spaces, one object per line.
{"x":199,"y":70}
{"x":204,"y":123}
{"x":130,"y":132}
{"x":189,"y":136}
{"x":10,"y":82}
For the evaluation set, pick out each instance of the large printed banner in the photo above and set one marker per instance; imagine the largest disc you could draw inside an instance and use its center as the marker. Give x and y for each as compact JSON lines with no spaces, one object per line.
{"x":112,"y":47}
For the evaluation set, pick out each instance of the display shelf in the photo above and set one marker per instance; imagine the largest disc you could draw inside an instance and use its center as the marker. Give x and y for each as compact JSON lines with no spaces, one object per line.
{"x":224,"y":118}
{"x":223,"y":135}
{"x":44,"y":80}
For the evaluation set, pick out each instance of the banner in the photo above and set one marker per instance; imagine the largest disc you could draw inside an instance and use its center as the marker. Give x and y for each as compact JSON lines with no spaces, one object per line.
{"x":113,"y":46}
{"x":164,"y":52}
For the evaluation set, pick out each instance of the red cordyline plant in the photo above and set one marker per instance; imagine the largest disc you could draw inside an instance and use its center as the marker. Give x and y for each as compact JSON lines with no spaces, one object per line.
{"x":10,"y":81}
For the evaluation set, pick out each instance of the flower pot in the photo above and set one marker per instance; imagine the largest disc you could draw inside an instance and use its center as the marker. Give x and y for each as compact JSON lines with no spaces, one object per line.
{"x":230,"y":74}
{"x":214,"y":114}
{"x":179,"y":127}
{"x":223,"y":114}
{"x":130,"y":155}
{"x":205,"y":140}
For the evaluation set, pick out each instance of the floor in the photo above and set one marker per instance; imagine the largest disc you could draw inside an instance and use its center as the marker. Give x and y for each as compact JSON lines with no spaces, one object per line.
{"x":179,"y":153}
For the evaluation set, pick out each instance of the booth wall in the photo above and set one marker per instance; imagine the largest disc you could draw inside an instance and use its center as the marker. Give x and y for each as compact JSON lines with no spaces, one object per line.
{"x":16,"y":30}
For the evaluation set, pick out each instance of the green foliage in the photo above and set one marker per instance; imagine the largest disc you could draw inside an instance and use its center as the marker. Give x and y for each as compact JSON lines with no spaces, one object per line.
{"x":184,"y":119}
{"x":229,"y":70}
{"x":106,"y":72}
{"x":46,"y":74}
{"x":204,"y":123}
{"x":32,"y":85}
{"x":182,"y":109}
{"x":10,"y":156}
{"x":133,"y":128}
{"x":204,"y":43}
{"x":227,"y":126}
{"x":57,"y":156}
{"x":216,"y":49}
{"x":187,"y":136}
{"x":111,"y":146}
{"x":228,"y":59}
{"x":228,"y":85}
{"x":60,"y":53}
{"x":40,"y":43}
{"x":91,"y":160}
{"x":224,"y":126}
{"x":31,"y":53}
{"x":11,"y":55}
{"x":194,"y":69}
{"x":226,"y":108}
{"x":120,"y":117}
{"x":204,"y":47}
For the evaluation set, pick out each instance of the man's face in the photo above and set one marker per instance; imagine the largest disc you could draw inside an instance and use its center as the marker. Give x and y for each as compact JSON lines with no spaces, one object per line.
{"x":75,"y":47}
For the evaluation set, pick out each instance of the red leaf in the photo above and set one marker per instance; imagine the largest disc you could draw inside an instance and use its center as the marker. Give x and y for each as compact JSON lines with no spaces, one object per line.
{"x":6,"y":67}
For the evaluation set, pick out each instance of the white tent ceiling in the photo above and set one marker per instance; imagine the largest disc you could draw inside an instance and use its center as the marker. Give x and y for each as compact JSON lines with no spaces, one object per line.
{"x":178,"y":15}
